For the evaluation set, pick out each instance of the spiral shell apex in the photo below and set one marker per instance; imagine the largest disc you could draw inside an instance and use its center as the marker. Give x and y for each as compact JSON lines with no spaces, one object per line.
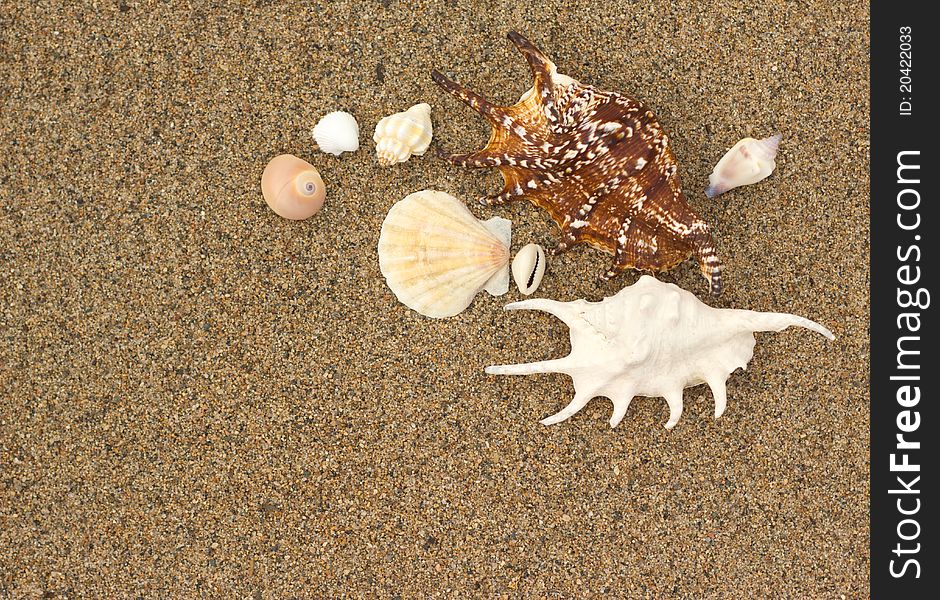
{"x":292,"y":187}
{"x":436,"y":256}
{"x":399,"y":136}
{"x":336,"y":133}
{"x":748,"y":161}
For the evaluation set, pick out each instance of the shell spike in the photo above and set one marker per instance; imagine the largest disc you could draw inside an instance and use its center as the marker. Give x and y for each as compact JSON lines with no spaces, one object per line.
{"x":490,"y":111}
{"x":674,"y":400}
{"x":525,"y":46}
{"x":539,"y":64}
{"x":475,"y":159}
{"x":542,"y":69}
{"x":557,"y":365}
{"x":579,"y":401}
{"x":775,"y":321}
{"x":563,"y":310}
{"x":720,"y":391}
{"x":620,"y":409}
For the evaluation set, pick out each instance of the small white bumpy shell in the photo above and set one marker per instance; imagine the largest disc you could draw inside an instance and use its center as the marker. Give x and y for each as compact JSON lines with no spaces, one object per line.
{"x":436,"y":256}
{"x":399,"y":136}
{"x":528,"y":267}
{"x":336,"y":133}
{"x":747,"y":162}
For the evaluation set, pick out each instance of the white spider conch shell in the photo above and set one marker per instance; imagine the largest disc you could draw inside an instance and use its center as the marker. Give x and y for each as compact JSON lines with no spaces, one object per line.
{"x":292,"y":187}
{"x":399,"y":136}
{"x":650,"y":339}
{"x":436,"y":256}
{"x":528,"y":267}
{"x":747,"y":162}
{"x":336,"y":133}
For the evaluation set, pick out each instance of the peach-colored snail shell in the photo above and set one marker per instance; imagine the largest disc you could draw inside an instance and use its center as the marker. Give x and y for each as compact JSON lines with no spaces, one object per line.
{"x":292,"y":187}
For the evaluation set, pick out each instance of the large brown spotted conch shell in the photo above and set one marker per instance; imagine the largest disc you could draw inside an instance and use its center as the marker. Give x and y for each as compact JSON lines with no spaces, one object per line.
{"x":599,"y":163}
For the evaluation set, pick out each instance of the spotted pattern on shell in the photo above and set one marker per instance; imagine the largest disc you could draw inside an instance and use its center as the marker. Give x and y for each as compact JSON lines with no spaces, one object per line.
{"x":598,"y":162}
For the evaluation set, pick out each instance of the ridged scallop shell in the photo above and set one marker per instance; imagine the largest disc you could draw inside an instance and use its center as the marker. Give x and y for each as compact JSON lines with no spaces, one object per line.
{"x":336,"y":133}
{"x":436,"y":256}
{"x":651,"y":339}
{"x":748,"y":161}
{"x":598,"y":162}
{"x":397,"y":137}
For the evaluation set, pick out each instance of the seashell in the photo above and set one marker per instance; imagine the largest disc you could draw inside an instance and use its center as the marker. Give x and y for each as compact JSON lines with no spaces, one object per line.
{"x":747,"y":162}
{"x":292,"y":187}
{"x":336,"y":133}
{"x":528,"y":267}
{"x":650,"y":339}
{"x":436,"y":256}
{"x":601,"y":165}
{"x":399,"y":136}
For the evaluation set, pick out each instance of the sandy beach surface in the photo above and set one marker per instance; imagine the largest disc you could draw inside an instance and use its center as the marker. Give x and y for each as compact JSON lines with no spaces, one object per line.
{"x":201,"y":399}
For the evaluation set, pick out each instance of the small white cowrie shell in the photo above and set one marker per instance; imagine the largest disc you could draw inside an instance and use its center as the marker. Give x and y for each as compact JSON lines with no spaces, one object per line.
{"x":528,"y":267}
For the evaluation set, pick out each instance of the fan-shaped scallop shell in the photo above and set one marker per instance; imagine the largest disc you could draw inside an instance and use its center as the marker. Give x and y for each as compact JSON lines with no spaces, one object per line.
{"x":336,"y":133}
{"x":436,"y":256}
{"x":397,"y":137}
{"x":601,"y":165}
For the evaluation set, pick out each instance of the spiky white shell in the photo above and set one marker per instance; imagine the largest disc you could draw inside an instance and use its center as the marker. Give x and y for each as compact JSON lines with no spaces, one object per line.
{"x":397,"y":137}
{"x":650,"y":339}
{"x":528,"y":267}
{"x":747,"y":162}
{"x":436,"y":256}
{"x":336,"y":133}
